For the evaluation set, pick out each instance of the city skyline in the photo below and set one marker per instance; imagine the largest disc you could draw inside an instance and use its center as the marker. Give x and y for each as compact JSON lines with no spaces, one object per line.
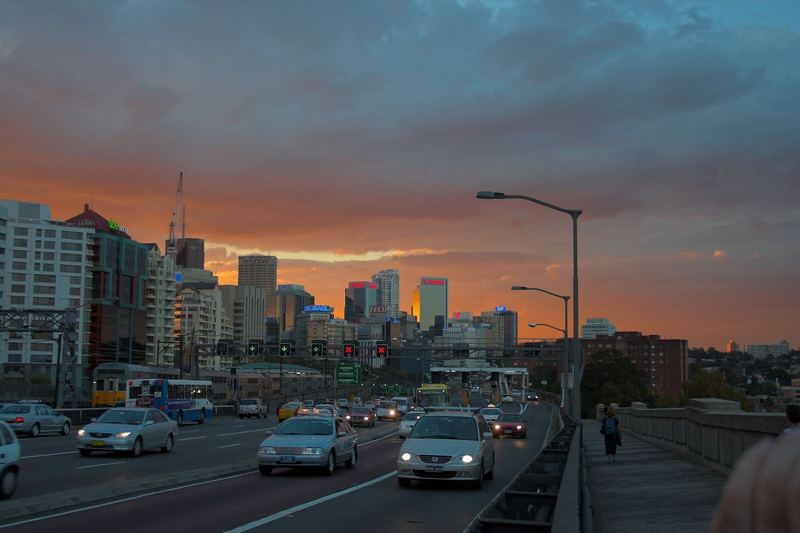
{"x":341,"y":166}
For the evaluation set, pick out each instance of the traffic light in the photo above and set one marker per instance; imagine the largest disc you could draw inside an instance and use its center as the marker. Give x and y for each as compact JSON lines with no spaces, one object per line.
{"x":317,"y":349}
{"x":222,"y":348}
{"x":286,"y":349}
{"x":252,"y":348}
{"x":349,"y":349}
{"x":382,"y":349}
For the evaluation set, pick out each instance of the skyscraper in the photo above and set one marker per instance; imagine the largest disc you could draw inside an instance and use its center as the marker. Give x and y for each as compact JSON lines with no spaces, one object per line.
{"x":191,"y":253}
{"x":290,"y":300}
{"x":359,"y":297}
{"x":430,"y":301}
{"x":389,"y":290}
{"x":260,"y":271}
{"x":245,"y":306}
{"x":504,"y":321}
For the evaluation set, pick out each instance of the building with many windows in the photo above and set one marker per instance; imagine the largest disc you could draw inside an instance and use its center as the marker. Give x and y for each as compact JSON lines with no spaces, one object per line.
{"x":260,"y":271}
{"x":246,"y":307}
{"x":44,"y":264}
{"x":388,"y":282}
{"x":290,"y":300}
{"x":317,"y":324}
{"x":159,"y":299}
{"x":763,"y":350}
{"x":504,"y":325}
{"x":430,"y":300}
{"x":359,"y":299}
{"x":597,"y":327}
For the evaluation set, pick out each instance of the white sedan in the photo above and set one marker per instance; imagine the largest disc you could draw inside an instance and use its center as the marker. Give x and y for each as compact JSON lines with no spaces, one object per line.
{"x":508,"y":399}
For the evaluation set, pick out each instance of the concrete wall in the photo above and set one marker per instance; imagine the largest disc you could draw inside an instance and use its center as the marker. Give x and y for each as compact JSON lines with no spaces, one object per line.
{"x":713,"y":431}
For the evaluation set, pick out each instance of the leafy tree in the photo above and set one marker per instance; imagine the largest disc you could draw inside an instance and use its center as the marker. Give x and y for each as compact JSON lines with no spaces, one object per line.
{"x":610,"y":377}
{"x":547,"y":373}
{"x":711,"y":385}
{"x":781,"y":375}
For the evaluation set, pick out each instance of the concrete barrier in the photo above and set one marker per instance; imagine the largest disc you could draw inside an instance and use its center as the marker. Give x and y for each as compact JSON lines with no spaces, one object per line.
{"x":709,"y":430}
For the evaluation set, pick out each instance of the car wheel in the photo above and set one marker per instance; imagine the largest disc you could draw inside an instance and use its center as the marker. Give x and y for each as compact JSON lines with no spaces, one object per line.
{"x":8,"y":483}
{"x":136,"y":451}
{"x":490,"y":474}
{"x":404,"y":482}
{"x":65,"y":428}
{"x":85,"y":453}
{"x":170,"y":442}
{"x":35,"y":429}
{"x":353,"y":458}
{"x":202,"y":419}
{"x":478,"y":483}
{"x":331,"y":465}
{"x":179,"y":418}
{"x":265,"y":470}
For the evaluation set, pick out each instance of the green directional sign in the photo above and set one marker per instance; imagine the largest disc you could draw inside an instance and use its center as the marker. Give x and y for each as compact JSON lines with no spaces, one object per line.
{"x":349,"y":374}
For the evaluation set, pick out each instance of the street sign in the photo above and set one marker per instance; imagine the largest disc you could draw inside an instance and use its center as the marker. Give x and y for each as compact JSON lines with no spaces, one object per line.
{"x":286,"y":349}
{"x":349,"y":374}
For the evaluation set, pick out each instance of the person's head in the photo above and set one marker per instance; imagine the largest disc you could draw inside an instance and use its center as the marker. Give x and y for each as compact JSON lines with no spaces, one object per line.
{"x":793,"y":413}
{"x":611,"y":411}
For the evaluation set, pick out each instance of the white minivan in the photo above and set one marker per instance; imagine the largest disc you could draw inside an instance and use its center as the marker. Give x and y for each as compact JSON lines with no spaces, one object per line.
{"x":403,"y":404}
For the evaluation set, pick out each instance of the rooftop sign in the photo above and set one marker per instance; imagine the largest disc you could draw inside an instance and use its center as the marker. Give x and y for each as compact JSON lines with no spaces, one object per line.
{"x":433,"y":281}
{"x":363,"y":285}
{"x":317,"y":309}
{"x":500,"y":308}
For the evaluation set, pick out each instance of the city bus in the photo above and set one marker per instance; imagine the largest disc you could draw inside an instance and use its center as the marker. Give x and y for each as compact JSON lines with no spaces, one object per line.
{"x":109,"y":381}
{"x":183,"y":400}
{"x":432,"y":395}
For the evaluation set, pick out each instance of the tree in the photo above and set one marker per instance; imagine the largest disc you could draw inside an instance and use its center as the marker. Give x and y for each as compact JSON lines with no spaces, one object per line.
{"x":781,"y":375}
{"x":711,"y":385}
{"x":610,"y":377}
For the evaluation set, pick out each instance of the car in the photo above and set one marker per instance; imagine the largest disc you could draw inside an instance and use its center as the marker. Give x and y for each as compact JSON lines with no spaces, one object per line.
{"x":369,"y":404}
{"x":361,"y":416}
{"x":507,"y":399}
{"x":288,"y":410}
{"x":490,"y":414}
{"x":129,"y":430}
{"x":308,"y":404}
{"x":357,"y":402}
{"x":343,"y":404}
{"x":252,"y":407}
{"x":387,"y":409}
{"x":328,"y":407}
{"x":403,"y":404}
{"x":509,"y":424}
{"x":447,"y":446}
{"x":408,"y":422}
{"x":533,"y":397}
{"x":9,"y":461}
{"x":34,"y":418}
{"x":309,"y":442}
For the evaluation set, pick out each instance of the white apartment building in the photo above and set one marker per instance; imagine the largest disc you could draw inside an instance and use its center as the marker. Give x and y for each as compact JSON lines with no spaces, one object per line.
{"x":159,"y":298}
{"x":595,"y":327}
{"x":762,"y":350}
{"x":44,"y":264}
{"x":389,"y":290}
{"x":200,"y":320}
{"x":246,"y":307}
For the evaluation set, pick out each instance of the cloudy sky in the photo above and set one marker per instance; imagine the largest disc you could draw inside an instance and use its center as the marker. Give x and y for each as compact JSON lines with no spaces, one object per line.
{"x":350,"y":136}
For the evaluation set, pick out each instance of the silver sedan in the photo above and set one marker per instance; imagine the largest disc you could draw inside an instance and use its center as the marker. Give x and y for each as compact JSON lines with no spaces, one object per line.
{"x":32,"y":418}
{"x":309,"y":441}
{"x":130,"y":430}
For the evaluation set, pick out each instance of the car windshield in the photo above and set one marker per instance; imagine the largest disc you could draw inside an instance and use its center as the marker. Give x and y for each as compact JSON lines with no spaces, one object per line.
{"x":491,"y":412}
{"x":509,"y":418}
{"x":247,"y":402}
{"x":387,"y":405}
{"x":17,"y":409}
{"x":296,"y":426}
{"x":290,"y":405}
{"x":445,"y":427}
{"x":360,"y":411}
{"x":412,"y":417}
{"x":122,"y":416}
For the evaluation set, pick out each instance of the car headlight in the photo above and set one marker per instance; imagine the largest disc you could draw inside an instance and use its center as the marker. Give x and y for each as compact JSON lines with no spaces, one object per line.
{"x":267,"y":450}
{"x":391,"y":412}
{"x":406,"y":456}
{"x":347,"y":417}
{"x":123,"y":435}
{"x":81,"y":432}
{"x":366,"y":418}
{"x":497,"y":426}
{"x":467,"y":459}
{"x":519,"y":427}
{"x":312,"y":451}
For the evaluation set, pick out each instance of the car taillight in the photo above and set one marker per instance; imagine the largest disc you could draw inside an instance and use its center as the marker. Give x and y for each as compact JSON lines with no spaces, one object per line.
{"x":19,"y":420}
{"x":161,"y":408}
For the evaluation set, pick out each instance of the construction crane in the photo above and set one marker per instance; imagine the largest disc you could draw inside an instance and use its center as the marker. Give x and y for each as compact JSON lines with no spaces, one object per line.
{"x":172,"y":243}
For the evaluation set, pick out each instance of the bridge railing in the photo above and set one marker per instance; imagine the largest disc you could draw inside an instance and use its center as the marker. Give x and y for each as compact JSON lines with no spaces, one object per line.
{"x":713,"y":431}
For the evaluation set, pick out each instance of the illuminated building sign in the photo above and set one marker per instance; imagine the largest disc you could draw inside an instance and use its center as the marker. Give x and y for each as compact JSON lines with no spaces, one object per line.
{"x":379,"y":309}
{"x":457,"y":314}
{"x":114,"y":226}
{"x":433,"y":282}
{"x":178,"y":277}
{"x":317,"y":309}
{"x":500,"y":308}
{"x":363,"y":285}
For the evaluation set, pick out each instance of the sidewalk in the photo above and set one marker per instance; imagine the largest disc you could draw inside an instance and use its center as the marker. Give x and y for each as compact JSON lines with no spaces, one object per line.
{"x":648,"y":489}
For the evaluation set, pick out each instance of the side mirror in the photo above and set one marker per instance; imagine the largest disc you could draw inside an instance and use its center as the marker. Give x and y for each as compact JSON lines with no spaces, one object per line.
{"x":268,"y":433}
{"x":94,"y":419}
{"x":341,"y":434}
{"x":488,"y":435}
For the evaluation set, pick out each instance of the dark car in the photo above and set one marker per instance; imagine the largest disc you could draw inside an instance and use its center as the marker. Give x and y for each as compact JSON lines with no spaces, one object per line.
{"x":510,"y":425}
{"x":361,"y":416}
{"x":532,"y":397}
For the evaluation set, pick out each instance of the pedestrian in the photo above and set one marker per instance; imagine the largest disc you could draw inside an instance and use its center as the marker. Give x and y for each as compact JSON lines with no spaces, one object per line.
{"x":793,"y":417}
{"x":609,"y":427}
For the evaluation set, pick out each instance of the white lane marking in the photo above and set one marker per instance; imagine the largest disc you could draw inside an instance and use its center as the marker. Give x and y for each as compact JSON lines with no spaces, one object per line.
{"x":229,"y":445}
{"x":97,"y":466}
{"x":249,"y":431}
{"x":303,"y":506}
{"x":190,"y":438}
{"x":523,"y":408}
{"x":123,"y":500}
{"x":46,"y":455}
{"x":384,"y":437}
{"x":190,"y":431}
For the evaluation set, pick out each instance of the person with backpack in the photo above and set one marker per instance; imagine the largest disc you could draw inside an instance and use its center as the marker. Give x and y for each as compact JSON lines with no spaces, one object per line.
{"x":609,"y":427}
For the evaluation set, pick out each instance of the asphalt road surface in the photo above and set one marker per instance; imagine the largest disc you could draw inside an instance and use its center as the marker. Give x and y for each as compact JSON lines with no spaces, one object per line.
{"x":364,"y":497}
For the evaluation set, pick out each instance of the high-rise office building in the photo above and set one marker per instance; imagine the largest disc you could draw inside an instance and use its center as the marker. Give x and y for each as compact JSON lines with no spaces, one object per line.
{"x":505,"y":325}
{"x":359,"y":298}
{"x":260,"y":271}
{"x":190,"y":253}
{"x":597,"y":327}
{"x":430,"y":300}
{"x":246,"y":308}
{"x":160,"y":304}
{"x":43,"y":265}
{"x":389,"y":290}
{"x":290,"y":300}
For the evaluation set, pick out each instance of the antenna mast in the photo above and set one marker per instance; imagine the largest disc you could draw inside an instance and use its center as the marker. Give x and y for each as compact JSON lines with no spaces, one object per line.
{"x":172,"y":248}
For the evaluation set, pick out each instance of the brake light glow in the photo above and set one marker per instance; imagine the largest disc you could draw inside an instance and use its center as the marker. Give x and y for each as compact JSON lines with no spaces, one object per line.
{"x":19,"y":420}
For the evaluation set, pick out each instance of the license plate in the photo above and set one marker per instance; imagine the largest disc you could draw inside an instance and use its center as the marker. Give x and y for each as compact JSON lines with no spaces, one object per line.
{"x":98,"y":443}
{"x":434,"y":468}
{"x":508,"y":431}
{"x":286,"y":459}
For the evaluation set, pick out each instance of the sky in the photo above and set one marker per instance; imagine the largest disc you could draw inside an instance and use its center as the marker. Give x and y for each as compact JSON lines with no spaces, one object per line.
{"x":349,"y":136}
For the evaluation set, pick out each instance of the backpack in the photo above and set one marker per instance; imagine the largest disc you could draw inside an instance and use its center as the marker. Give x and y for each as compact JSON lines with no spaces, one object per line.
{"x":610,"y":426}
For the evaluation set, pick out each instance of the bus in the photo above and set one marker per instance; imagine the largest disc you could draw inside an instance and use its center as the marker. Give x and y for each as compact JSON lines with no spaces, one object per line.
{"x":183,"y":400}
{"x":109,"y":381}
{"x":432,"y":395}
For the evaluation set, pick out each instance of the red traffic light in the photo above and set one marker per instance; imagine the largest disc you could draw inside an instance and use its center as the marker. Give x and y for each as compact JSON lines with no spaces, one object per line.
{"x":382,"y":350}
{"x":349,"y":350}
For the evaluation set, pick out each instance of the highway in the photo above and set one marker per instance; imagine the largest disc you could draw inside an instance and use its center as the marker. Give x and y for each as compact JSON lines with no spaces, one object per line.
{"x":367,"y":495}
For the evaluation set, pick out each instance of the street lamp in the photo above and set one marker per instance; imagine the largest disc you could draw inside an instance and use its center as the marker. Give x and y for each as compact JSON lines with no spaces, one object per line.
{"x":566,"y":397}
{"x":574,"y":214}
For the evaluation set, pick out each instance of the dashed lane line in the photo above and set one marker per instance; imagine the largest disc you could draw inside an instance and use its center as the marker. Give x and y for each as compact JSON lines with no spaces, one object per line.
{"x":229,"y":445}
{"x":241,"y":432}
{"x":191,"y":438}
{"x":98,"y":466}
{"x":46,"y":455}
